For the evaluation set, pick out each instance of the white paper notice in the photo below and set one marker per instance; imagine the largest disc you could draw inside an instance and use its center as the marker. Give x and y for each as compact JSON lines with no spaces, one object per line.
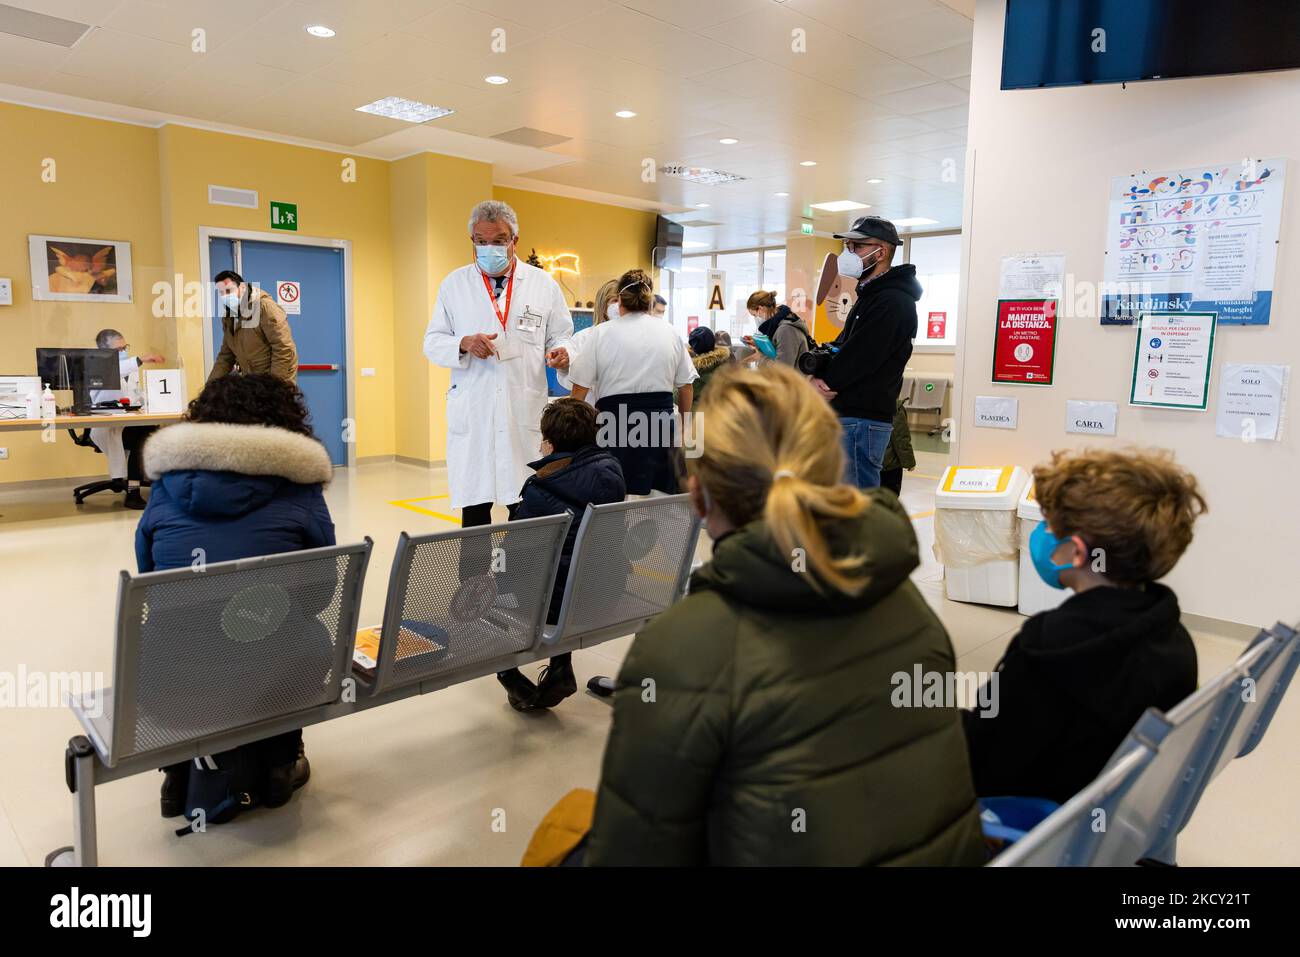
{"x":164,"y":390}
{"x":1090,"y":417}
{"x":1251,"y":398}
{"x":996,"y":412}
{"x":1032,"y":276}
{"x":1225,"y":263}
{"x":975,"y":480}
{"x":1171,"y":360}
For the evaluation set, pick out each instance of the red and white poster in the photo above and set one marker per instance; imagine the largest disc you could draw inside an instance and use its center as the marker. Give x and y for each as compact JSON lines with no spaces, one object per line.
{"x":1025,"y":344}
{"x":936,"y":325}
{"x":692,"y":322}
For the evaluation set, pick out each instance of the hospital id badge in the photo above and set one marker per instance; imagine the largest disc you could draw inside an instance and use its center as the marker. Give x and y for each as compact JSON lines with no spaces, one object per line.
{"x":530,"y":321}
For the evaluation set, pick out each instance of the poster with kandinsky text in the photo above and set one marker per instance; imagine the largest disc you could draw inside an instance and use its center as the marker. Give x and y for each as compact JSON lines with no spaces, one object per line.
{"x":1200,"y":239}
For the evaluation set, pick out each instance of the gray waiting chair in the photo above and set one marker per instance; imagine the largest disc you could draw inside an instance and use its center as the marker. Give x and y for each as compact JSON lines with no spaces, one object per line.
{"x":466,"y":603}
{"x":631,"y":561}
{"x":928,"y":393}
{"x":209,"y":659}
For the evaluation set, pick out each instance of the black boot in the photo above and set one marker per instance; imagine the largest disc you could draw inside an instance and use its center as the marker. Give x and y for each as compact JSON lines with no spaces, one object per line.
{"x":557,"y":682}
{"x":135,"y":500}
{"x":283,"y":779}
{"x":176,"y":782}
{"x":519,"y":690}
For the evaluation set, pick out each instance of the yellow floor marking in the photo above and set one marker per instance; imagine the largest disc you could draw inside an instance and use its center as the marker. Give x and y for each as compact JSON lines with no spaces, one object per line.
{"x":921,"y":515}
{"x":406,"y":504}
{"x":919,"y":475}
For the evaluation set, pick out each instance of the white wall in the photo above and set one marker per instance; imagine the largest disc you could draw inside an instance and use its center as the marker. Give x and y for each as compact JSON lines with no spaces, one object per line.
{"x":1038,"y":169}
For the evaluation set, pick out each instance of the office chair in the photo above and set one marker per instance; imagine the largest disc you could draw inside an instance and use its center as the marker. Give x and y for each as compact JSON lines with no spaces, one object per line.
{"x":102,"y":485}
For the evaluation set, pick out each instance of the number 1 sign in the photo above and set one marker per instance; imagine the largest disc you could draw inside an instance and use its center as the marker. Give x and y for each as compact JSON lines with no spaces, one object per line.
{"x":164,"y":391}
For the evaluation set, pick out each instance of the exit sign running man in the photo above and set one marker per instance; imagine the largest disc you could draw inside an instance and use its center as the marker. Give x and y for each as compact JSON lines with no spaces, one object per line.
{"x":284,"y":215}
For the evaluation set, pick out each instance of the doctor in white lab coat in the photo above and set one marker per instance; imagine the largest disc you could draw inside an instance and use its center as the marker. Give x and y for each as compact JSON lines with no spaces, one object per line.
{"x":493,"y":325}
{"x":117,"y":441}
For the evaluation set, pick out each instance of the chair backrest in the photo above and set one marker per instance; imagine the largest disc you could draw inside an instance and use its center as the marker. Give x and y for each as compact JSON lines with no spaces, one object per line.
{"x":631,"y":560}
{"x":928,"y":392}
{"x":909,"y":384}
{"x":205,"y":650}
{"x":461,"y":599}
{"x":1278,"y":680}
{"x":1069,"y":836}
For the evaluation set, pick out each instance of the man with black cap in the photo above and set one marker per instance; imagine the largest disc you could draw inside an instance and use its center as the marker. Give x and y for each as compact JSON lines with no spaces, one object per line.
{"x":864,"y":377}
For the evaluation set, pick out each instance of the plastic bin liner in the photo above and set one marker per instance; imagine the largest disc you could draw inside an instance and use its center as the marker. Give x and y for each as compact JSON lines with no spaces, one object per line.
{"x":966,"y":537}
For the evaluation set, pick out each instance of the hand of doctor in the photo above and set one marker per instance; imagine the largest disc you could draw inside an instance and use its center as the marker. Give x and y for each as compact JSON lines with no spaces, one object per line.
{"x":823,"y":389}
{"x":479,"y":345}
{"x":153,"y":357}
{"x":558,"y":358}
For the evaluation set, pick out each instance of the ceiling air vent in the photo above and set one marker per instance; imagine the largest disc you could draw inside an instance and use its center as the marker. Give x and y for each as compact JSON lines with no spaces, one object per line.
{"x":527,"y":136}
{"x":230,"y":196}
{"x":701,"y":174}
{"x":40,"y":26}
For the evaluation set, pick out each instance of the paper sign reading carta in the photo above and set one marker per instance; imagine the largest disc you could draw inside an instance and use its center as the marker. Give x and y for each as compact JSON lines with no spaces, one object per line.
{"x":1090,"y":417}
{"x":1251,"y":398}
{"x":1024,"y":347}
{"x":288,"y":296}
{"x":1171,"y":360}
{"x":996,"y":412}
{"x":164,"y":391}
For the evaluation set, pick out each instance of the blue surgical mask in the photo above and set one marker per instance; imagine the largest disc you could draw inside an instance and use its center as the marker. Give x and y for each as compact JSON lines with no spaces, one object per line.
{"x":123,"y":354}
{"x":231,"y":301}
{"x":1042,"y":543}
{"x":491,"y":259}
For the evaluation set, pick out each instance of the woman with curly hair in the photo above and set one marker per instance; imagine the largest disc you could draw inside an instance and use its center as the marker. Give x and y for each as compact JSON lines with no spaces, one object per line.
{"x":241,"y":476}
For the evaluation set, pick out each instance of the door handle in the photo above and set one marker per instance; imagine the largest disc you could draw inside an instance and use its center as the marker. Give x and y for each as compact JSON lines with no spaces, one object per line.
{"x":319,"y":367}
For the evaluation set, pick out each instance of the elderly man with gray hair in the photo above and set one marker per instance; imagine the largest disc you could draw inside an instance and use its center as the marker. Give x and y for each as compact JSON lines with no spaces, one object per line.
{"x":493,"y":324}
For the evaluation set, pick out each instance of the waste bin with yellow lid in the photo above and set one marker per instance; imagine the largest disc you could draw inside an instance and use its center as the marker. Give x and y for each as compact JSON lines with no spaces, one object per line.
{"x":1035,"y":594}
{"x":976,"y":537}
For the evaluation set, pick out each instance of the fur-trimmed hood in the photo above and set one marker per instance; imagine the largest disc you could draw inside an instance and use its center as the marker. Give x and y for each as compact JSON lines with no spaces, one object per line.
{"x":244,"y":449}
{"x":711,"y":360}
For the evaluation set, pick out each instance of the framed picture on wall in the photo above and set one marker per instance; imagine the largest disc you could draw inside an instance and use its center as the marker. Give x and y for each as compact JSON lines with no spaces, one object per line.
{"x":66,"y":269}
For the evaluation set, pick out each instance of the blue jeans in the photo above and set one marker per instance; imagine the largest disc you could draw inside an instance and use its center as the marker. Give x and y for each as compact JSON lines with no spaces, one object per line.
{"x":865,"y":443}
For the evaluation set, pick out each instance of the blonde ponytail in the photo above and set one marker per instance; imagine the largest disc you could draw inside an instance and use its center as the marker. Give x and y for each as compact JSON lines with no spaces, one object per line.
{"x":773,"y":452}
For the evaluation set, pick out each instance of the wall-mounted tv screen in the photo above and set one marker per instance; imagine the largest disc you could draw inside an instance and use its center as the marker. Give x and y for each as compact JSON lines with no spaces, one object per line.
{"x":668,"y":244}
{"x":1069,"y":42}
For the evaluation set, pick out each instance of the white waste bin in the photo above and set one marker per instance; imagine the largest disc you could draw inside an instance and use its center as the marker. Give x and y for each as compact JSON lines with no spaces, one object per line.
{"x":975,"y":533}
{"x":1035,"y":594}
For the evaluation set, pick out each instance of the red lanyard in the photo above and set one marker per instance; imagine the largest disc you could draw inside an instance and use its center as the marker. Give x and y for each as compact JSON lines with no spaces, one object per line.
{"x":510,"y":291}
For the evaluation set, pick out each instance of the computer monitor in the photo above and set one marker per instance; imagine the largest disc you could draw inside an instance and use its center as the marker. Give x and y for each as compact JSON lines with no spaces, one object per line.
{"x":79,"y":370}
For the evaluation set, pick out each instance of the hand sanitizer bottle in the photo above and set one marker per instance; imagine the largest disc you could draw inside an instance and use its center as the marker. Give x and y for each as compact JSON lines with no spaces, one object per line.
{"x":48,"y":408}
{"x":32,"y":405}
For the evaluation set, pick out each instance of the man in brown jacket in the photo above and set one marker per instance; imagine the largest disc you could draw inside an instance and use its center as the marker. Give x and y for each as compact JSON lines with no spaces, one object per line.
{"x":255,"y":333}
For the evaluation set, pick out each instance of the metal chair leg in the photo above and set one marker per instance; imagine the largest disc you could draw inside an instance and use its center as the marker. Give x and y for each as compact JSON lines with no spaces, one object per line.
{"x":79,"y":768}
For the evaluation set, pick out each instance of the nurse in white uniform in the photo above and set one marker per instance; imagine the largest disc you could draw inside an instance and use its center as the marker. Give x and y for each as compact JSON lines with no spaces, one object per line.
{"x":493,"y":324}
{"x":116,"y":441}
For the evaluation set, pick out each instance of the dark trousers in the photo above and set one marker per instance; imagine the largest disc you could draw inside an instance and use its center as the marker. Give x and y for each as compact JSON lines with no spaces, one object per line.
{"x":133,"y":437}
{"x":892,"y":479}
{"x":272,"y":752}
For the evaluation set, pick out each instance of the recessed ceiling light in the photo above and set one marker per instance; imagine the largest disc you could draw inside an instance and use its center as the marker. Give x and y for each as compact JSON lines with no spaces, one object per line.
{"x":692,"y":244}
{"x":701,"y":205}
{"x":840,"y":206}
{"x":780,"y":194}
{"x":915,"y":221}
{"x":728,"y":141}
{"x":625,"y":114}
{"x":808,"y":163}
{"x":400,"y":108}
{"x":874,"y":180}
{"x":496,"y":80}
{"x":320,"y":30}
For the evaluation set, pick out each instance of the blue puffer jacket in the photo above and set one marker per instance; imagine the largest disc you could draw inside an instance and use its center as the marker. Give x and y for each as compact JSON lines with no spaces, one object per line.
{"x":234,"y":491}
{"x":569,"y":482}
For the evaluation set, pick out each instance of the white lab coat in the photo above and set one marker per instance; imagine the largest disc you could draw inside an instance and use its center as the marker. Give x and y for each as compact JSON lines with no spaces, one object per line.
{"x":109,"y":439}
{"x":494,"y":406}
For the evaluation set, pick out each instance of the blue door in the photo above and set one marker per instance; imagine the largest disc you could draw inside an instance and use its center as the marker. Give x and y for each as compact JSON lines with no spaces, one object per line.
{"x":318,"y":328}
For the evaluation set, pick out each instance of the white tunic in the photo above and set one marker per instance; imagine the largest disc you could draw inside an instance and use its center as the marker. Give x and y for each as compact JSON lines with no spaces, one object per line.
{"x":636,"y":353}
{"x":494,"y":405}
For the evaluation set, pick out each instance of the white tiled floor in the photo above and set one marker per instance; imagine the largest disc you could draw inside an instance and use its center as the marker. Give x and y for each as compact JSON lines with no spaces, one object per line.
{"x":421,"y":782}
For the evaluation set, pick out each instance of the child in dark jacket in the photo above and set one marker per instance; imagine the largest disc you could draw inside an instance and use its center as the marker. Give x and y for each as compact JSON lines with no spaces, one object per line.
{"x":1075,"y":679}
{"x":573,"y":474}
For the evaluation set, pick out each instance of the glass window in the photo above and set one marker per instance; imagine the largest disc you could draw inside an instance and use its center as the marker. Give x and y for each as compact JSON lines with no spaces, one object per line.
{"x":938,"y":270}
{"x":687,"y":299}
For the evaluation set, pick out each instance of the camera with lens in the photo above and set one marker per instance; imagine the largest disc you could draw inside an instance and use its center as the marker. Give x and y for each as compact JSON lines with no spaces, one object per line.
{"x":815,"y":361}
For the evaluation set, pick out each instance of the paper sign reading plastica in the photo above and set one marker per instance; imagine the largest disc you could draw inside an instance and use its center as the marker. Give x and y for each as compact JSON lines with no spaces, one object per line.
{"x":996,"y":412}
{"x":975,"y":480}
{"x":1090,"y":417}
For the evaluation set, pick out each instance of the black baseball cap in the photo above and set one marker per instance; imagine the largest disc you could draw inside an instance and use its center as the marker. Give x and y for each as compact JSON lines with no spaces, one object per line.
{"x":872,"y":227}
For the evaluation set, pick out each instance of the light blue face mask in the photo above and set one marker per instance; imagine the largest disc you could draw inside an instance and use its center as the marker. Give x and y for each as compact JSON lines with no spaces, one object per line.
{"x":1042,"y":544}
{"x":491,"y":259}
{"x":231,"y":301}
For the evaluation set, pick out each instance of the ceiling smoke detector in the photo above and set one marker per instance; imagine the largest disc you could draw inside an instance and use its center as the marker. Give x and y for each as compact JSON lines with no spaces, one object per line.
{"x":701,"y":174}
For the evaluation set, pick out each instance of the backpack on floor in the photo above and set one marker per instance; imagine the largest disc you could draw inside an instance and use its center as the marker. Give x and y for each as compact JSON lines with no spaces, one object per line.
{"x":221,"y":787}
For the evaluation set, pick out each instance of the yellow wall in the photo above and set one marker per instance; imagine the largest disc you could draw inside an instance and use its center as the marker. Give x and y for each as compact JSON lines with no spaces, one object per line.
{"x":105,"y":187}
{"x":609,"y":240}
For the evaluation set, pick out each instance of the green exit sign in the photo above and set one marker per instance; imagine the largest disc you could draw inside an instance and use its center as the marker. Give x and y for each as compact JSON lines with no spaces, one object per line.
{"x":805,"y":228}
{"x":284,"y":215}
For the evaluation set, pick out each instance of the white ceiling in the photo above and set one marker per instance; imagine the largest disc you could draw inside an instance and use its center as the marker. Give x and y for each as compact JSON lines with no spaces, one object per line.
{"x":881,"y":91}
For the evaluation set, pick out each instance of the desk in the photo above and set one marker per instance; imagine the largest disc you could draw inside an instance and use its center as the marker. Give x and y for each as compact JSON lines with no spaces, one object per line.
{"x":122,"y":419}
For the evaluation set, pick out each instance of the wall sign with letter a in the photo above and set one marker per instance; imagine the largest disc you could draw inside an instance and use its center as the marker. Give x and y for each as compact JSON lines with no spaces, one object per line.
{"x":716,"y":287}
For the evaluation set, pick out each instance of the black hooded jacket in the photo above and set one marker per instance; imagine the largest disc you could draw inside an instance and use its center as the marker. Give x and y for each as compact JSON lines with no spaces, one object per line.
{"x":1072,"y":684}
{"x":874,"y":346}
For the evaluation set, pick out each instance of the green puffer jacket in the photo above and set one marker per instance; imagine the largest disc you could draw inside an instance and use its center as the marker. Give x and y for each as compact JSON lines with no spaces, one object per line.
{"x":771,"y":738}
